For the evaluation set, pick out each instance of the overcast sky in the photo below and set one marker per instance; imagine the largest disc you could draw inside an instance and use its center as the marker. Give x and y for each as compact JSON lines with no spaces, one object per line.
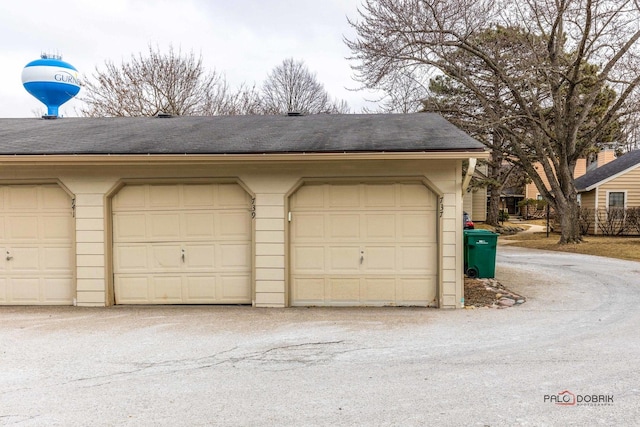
{"x":244,"y":39}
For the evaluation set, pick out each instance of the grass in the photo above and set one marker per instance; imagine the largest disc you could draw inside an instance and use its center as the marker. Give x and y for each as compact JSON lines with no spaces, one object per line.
{"x":613,"y":247}
{"x":483,"y":226}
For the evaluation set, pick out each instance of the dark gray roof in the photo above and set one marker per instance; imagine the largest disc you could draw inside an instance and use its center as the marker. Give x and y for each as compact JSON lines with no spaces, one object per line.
{"x":604,"y":172}
{"x":234,"y":135}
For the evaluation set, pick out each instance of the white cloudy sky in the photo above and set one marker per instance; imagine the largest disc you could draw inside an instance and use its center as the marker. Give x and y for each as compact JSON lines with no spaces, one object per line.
{"x":244,"y":39}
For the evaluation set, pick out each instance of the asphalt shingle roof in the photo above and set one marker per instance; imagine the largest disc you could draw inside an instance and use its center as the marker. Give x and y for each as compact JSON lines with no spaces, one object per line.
{"x":608,"y":170}
{"x":418,"y":132}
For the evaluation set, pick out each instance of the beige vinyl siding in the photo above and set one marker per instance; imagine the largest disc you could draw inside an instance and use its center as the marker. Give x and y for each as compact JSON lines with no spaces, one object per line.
{"x":474,"y":203}
{"x":467,"y":202}
{"x":479,"y":211}
{"x":588,"y":201}
{"x":629,"y":182}
{"x":270,"y":250}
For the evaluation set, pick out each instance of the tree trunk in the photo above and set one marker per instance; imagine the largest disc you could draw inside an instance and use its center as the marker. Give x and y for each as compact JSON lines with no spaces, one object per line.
{"x":493,"y":211}
{"x":569,"y":213}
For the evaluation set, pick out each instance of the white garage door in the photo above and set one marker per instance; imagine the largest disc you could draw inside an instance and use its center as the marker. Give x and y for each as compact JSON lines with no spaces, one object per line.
{"x":363,"y":244}
{"x":182,"y":244}
{"x":36,"y":239}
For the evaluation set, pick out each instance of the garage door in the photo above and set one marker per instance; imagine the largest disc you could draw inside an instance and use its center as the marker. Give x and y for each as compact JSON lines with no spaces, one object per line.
{"x":36,"y":239}
{"x":182,"y":244}
{"x":363,"y":244}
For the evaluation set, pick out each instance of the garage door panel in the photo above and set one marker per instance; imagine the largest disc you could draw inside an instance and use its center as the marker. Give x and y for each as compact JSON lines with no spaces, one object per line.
{"x":25,"y":260}
{"x":232,"y":196}
{"x":56,"y":228}
{"x":23,"y":228}
{"x":22,"y":197}
{"x":129,"y":227}
{"x":25,"y":290}
{"x":417,"y":226}
{"x":344,"y":289}
{"x":392,"y":225}
{"x":163,"y":226}
{"x":412,"y":259}
{"x":381,"y":226}
{"x":130,"y":198}
{"x":308,"y":259}
{"x":199,"y":196}
{"x":235,"y":288}
{"x":36,"y":234}
{"x":131,"y":258}
{"x":57,"y":259}
{"x":380,"y":259}
{"x":309,"y":290}
{"x":234,"y":256}
{"x":234,"y":225}
{"x":132,"y":289}
{"x":199,"y":225}
{"x":58,"y":291}
{"x":191,"y":244}
{"x":308,"y":226}
{"x":200,"y":289}
{"x":54,"y":198}
{"x":199,"y":257}
{"x":309,"y":197}
{"x":165,"y":257}
{"x":166,"y":289}
{"x":418,"y":291}
{"x":376,"y":196}
{"x":416,"y":195}
{"x":164,"y":196}
{"x":344,"y":259}
{"x":344,"y":226}
{"x":379,"y":290}
{"x":343,"y":196}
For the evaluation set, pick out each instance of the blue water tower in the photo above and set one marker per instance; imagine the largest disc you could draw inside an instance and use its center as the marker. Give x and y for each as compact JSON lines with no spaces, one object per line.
{"x":52,"y":81}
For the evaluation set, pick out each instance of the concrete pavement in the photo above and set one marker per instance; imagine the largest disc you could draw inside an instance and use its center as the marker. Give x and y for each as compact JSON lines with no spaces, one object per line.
{"x":578,"y":332}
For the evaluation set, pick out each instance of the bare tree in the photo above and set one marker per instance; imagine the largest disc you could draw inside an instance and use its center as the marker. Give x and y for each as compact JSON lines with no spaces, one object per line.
{"x":549,"y":108}
{"x":155,"y":83}
{"x":246,"y":100}
{"x":403,"y":92}
{"x":291,"y":87}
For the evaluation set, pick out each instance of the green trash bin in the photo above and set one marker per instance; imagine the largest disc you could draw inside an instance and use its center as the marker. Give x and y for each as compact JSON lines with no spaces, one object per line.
{"x":480,"y":253}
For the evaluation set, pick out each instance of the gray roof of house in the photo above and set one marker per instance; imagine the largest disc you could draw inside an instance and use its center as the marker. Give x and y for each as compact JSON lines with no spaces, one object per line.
{"x":418,"y":132}
{"x":604,"y":172}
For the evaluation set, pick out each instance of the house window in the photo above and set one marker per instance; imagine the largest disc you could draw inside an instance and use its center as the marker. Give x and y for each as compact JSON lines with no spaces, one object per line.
{"x":579,"y":199}
{"x":616,"y":199}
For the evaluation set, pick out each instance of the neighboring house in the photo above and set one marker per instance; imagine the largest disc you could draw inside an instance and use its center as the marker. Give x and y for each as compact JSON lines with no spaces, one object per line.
{"x":509,"y":199}
{"x":475,"y":199}
{"x":582,"y":166}
{"x":614,"y":185}
{"x":271,"y":211}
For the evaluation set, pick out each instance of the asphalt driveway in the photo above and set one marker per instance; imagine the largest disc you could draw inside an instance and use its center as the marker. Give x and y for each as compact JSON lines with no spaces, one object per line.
{"x":578,"y":332}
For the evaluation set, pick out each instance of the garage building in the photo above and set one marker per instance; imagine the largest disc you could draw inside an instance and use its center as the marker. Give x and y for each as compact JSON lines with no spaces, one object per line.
{"x":270,"y":211}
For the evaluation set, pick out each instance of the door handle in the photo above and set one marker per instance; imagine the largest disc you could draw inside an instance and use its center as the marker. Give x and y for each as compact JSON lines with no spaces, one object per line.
{"x":182,"y":255}
{"x":361,"y":257}
{"x":9,"y":256}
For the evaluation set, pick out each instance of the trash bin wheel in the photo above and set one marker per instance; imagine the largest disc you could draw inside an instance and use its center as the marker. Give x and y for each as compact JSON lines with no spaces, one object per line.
{"x":472,"y":273}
